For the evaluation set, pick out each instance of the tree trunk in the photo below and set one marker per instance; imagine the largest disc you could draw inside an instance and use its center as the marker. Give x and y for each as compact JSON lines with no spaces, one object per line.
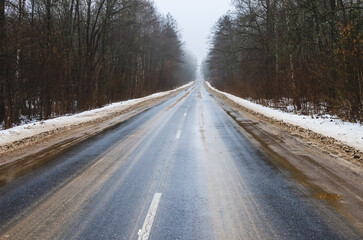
{"x":291,"y":60}
{"x":2,"y":61}
{"x":276,"y":49}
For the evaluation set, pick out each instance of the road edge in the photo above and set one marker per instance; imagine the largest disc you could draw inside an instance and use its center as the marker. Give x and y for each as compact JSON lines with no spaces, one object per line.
{"x":334,"y":147}
{"x":41,"y":148}
{"x":332,"y":179}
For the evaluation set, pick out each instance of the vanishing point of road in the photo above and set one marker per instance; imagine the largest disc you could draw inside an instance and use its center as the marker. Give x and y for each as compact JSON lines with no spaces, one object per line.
{"x":180,"y":170}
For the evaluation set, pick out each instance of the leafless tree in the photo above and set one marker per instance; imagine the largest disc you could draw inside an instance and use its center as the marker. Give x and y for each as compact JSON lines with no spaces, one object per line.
{"x":308,"y":51}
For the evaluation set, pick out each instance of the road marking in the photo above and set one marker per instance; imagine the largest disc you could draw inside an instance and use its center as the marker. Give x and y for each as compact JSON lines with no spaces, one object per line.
{"x":185,"y":114}
{"x":146,"y":228}
{"x":178,"y":134}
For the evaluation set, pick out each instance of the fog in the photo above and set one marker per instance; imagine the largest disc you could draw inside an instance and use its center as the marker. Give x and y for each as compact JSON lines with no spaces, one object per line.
{"x":195,"y":20}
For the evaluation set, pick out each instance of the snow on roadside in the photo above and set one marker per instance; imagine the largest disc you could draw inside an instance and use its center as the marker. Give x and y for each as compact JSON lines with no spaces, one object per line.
{"x":31,"y":129}
{"x":346,"y":132}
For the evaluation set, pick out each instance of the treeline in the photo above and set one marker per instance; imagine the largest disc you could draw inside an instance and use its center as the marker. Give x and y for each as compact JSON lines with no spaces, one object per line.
{"x":65,"y":56}
{"x":305,"y":52}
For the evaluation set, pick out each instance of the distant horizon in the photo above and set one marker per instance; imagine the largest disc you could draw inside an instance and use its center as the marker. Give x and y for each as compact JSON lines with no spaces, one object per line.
{"x":195,"y":25}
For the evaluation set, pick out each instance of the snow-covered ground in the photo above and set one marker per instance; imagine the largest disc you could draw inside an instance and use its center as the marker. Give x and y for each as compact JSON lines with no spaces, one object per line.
{"x":346,"y":132}
{"x":31,"y":129}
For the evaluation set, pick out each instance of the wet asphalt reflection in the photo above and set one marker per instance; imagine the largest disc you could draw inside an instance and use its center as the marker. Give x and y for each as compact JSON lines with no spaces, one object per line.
{"x":180,"y":170}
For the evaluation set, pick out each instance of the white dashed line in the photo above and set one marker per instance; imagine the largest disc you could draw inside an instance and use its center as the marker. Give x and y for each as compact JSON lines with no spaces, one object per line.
{"x":146,"y":228}
{"x":178,"y":134}
{"x":185,"y":114}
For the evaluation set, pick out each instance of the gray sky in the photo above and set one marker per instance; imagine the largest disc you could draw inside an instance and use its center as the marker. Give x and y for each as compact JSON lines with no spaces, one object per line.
{"x":195,"y":19}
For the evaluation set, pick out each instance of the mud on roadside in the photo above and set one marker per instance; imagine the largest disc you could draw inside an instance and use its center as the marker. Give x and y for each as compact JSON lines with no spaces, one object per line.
{"x":328,"y":169}
{"x":329,"y":145}
{"x":21,"y":156}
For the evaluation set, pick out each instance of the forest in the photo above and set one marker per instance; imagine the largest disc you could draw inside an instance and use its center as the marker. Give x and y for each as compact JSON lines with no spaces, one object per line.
{"x":60,"y":57}
{"x":302,"y":53}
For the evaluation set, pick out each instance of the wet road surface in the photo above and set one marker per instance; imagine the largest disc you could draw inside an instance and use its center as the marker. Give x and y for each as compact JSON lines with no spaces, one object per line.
{"x":180,"y":170}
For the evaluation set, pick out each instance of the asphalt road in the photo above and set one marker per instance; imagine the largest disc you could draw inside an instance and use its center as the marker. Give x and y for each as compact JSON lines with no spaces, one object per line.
{"x":180,"y":170}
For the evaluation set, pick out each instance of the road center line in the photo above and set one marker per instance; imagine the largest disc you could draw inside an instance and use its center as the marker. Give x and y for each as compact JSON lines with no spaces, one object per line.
{"x":146,"y":228}
{"x":178,"y":134}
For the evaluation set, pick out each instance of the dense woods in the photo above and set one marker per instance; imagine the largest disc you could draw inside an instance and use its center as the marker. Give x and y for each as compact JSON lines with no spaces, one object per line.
{"x":304,"y":53}
{"x":65,"y":56}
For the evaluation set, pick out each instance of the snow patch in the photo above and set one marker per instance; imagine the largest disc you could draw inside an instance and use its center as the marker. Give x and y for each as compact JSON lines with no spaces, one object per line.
{"x":31,"y":129}
{"x":349,"y":133}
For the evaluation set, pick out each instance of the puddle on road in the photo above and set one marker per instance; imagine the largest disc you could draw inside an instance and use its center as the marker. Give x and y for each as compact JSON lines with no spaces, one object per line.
{"x":199,"y":95}
{"x":328,"y":196}
{"x":202,"y":135}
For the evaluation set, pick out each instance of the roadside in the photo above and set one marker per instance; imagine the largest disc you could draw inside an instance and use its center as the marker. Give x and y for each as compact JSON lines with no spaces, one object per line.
{"x":330,"y":172}
{"x":25,"y":147}
{"x":340,"y":139}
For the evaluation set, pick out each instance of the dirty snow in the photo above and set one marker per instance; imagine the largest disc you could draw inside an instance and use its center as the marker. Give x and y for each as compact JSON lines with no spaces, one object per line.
{"x":31,"y":129}
{"x":349,"y":133}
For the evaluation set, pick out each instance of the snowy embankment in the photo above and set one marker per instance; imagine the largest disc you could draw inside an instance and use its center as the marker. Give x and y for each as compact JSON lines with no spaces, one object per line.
{"x":29,"y":130}
{"x":350,"y":134}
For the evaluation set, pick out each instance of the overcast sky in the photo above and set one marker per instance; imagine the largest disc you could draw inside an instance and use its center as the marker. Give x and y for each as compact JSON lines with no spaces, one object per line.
{"x":195,"y":19}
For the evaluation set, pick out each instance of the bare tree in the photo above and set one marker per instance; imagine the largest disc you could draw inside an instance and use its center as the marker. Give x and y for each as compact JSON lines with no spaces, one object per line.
{"x":309,"y":52}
